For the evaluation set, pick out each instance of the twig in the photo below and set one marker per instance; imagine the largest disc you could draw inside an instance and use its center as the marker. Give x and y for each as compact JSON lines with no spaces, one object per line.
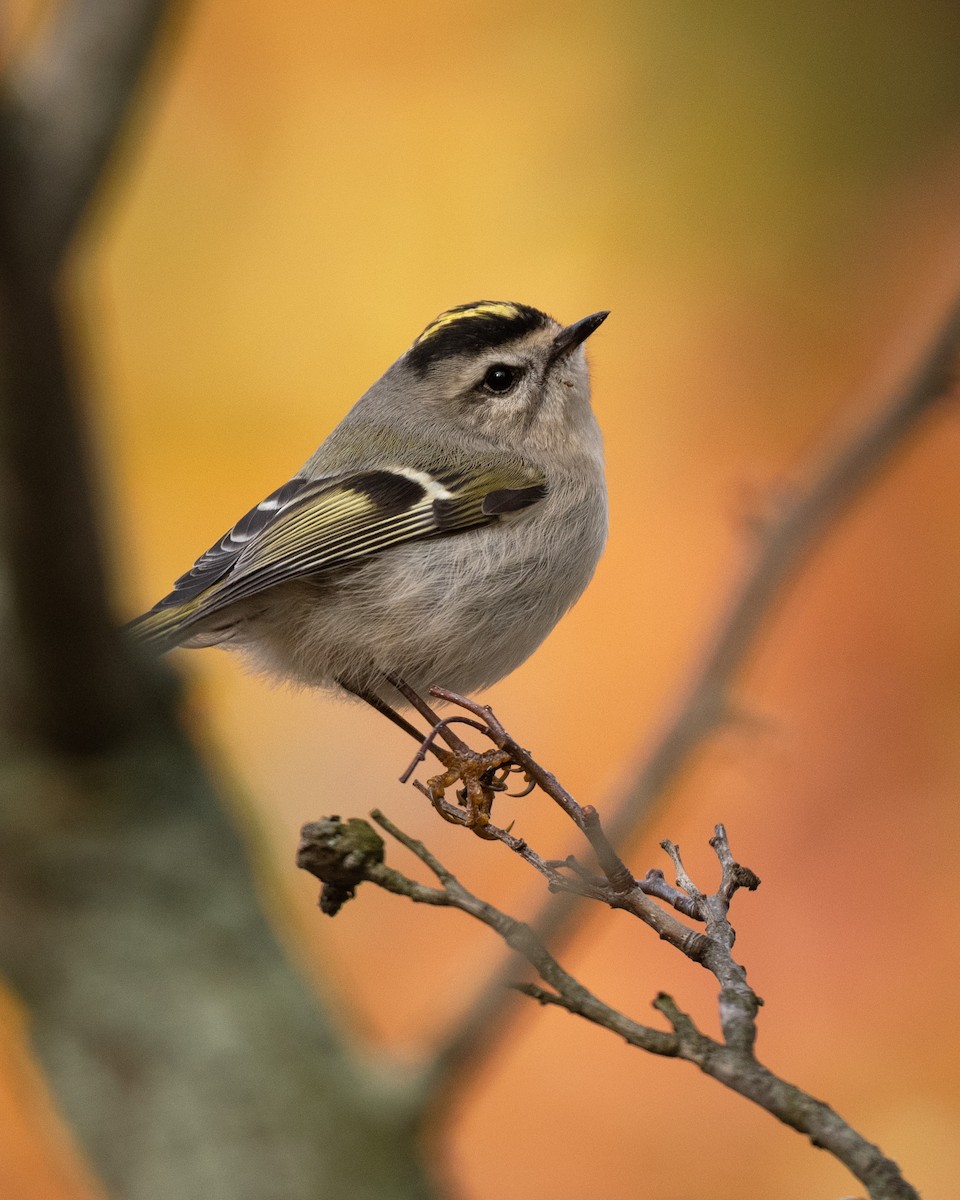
{"x":331,"y":850}
{"x":323,"y":861}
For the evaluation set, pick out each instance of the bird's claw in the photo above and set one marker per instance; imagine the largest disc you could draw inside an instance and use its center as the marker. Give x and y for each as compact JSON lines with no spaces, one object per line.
{"x":477,"y":773}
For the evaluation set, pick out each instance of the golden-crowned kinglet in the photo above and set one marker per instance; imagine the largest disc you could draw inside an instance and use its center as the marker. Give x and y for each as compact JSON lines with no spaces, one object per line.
{"x":437,"y":535}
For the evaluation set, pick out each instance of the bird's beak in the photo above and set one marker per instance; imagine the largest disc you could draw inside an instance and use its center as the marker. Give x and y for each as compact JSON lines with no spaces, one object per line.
{"x":573,"y":335}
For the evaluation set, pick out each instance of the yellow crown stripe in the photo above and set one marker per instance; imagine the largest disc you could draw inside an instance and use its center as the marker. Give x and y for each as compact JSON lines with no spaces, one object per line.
{"x":492,"y":309}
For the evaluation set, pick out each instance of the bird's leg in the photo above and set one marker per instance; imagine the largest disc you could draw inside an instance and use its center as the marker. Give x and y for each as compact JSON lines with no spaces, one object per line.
{"x":385,"y":710}
{"x":415,"y":700}
{"x":464,"y":765}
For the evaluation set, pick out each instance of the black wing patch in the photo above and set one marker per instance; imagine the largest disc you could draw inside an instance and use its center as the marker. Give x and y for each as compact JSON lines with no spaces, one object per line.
{"x":391,"y":493}
{"x":508,"y":500}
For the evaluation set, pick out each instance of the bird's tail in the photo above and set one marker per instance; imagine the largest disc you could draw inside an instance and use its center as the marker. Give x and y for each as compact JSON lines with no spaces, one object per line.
{"x":167,"y":625}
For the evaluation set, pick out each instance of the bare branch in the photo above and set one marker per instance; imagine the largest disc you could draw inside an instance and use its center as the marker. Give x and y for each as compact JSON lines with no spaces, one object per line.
{"x":731,"y":1061}
{"x":324,"y":862}
{"x":683,"y":879}
{"x":612,"y":865}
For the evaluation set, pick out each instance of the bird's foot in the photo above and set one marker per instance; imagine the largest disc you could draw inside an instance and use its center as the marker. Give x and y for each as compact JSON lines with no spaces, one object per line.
{"x":481,"y":775}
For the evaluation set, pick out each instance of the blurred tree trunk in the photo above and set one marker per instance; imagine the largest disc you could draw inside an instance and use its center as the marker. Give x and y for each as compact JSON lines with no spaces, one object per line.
{"x":187,"y":1053}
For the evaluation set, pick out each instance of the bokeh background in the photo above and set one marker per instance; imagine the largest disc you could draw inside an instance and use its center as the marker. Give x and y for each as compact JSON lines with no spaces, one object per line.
{"x":768,"y":200}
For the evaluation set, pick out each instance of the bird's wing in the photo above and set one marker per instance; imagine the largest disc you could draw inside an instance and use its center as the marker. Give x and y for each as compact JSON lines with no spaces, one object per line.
{"x":308,"y":527}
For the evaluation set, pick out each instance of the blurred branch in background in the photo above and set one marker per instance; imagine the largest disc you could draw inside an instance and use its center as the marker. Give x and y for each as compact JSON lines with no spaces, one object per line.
{"x":785,"y":537}
{"x":188,"y":1055}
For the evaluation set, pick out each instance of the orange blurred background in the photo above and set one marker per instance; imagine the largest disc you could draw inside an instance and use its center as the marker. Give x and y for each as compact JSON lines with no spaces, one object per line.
{"x":768,"y":200}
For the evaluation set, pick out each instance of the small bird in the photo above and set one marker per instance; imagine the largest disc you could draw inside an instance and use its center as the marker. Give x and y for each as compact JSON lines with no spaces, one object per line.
{"x":435,"y":537}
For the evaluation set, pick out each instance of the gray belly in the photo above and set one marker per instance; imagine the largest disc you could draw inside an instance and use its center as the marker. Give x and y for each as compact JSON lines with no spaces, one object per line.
{"x":458,"y":612}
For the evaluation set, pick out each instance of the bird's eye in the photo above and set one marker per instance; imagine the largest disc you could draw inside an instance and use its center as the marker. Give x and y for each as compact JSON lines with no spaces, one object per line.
{"x":500,"y":378}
